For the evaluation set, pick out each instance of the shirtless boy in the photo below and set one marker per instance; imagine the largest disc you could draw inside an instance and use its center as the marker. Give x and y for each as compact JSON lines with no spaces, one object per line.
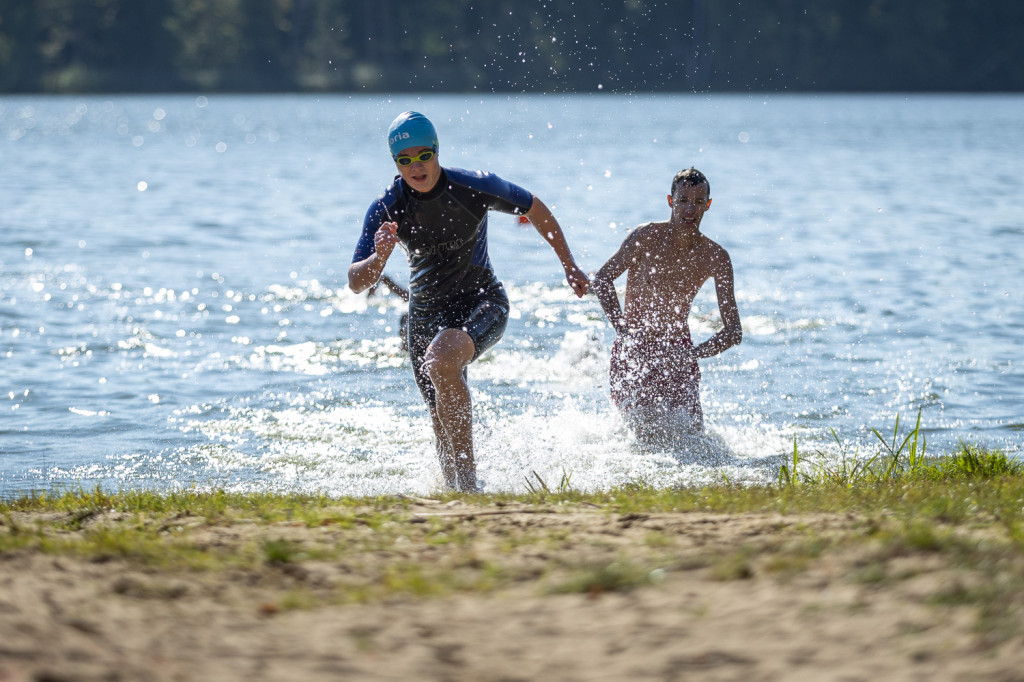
{"x":654,"y":373}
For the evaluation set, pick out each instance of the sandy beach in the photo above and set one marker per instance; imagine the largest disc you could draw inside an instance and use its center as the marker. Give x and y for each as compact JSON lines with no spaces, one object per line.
{"x":501,"y":592}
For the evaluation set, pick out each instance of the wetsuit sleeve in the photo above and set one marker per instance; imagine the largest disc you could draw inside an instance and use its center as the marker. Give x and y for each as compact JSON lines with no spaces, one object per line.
{"x":502,"y":195}
{"x":376,"y":216}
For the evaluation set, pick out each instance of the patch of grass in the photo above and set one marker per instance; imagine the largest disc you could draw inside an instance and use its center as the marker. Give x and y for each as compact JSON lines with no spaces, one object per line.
{"x":428,"y":580}
{"x":871,"y":574}
{"x":615,"y":576}
{"x":656,"y":539}
{"x":280,"y":551}
{"x":295,"y":599}
{"x":973,"y":462}
{"x":538,"y":488}
{"x":213,"y":507}
{"x":900,"y":457}
{"x":925,"y":537}
{"x":132,"y":543}
{"x":735,"y":565}
{"x":795,"y":557}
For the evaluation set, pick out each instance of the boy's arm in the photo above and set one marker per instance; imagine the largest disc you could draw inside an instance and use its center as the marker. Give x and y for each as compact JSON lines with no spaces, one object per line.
{"x":365,"y":273}
{"x":732,"y":332}
{"x":544,"y":222}
{"x":603,"y":284}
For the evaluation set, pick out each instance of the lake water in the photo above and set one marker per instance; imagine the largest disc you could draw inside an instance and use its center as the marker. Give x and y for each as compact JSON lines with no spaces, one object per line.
{"x":173,"y":310}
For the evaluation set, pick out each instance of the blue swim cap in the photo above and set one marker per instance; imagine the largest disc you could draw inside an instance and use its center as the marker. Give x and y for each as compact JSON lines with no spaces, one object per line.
{"x":411,"y":129}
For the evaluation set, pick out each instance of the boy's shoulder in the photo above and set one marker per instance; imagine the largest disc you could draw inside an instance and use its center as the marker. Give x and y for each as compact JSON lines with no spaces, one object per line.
{"x":638,"y":241}
{"x":649,"y":227}
{"x":707,"y":241}
{"x":645,"y":231}
{"x":711,"y":245}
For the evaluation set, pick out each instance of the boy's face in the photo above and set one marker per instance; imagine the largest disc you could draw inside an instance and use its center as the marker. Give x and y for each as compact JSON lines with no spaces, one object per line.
{"x":420,"y":175}
{"x":689,"y":202}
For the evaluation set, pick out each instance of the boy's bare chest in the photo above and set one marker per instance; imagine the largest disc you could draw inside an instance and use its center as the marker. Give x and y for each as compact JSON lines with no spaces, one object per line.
{"x":676,"y":273}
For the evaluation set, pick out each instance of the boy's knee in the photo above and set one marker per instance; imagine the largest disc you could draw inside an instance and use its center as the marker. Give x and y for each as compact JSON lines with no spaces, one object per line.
{"x":447,"y":356}
{"x":440,"y":367}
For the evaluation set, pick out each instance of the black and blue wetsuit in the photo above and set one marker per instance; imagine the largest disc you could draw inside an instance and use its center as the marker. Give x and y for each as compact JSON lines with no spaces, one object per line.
{"x":444,"y":232}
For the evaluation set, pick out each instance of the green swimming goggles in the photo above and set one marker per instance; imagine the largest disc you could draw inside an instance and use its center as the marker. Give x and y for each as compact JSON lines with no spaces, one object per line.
{"x":410,"y":160}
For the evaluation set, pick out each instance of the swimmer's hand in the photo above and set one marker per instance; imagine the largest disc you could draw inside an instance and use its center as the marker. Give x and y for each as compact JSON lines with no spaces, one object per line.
{"x":577,"y":279}
{"x":385,"y":238}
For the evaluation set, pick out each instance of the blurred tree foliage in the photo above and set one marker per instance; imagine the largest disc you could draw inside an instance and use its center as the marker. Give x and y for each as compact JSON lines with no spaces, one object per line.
{"x":510,"y":45}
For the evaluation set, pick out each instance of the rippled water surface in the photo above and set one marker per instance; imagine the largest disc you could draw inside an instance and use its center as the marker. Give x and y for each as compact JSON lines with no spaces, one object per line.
{"x":173,"y":311}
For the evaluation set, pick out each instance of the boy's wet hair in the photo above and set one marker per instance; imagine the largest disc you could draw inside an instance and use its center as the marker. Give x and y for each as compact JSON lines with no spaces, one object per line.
{"x":692,"y":177}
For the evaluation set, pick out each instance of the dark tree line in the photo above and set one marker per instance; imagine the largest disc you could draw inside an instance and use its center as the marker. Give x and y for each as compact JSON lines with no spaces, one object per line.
{"x":510,"y":45}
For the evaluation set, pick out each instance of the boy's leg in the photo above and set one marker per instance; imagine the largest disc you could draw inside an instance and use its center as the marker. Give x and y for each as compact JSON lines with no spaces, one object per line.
{"x":440,"y":350}
{"x":445,"y":360}
{"x":688,"y":378}
{"x":420,"y":334}
{"x":445,"y":454}
{"x":650,"y":386}
{"x":692,"y":394}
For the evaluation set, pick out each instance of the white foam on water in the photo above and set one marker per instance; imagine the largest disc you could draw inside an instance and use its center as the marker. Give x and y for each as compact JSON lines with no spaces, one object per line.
{"x":540,"y":419}
{"x":580,"y":363}
{"x":358,"y":449}
{"x":591,"y":448}
{"x":371,"y":449}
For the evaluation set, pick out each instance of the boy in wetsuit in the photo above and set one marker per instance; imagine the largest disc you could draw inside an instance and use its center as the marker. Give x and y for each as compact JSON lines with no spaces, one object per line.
{"x":457,"y":308}
{"x":654,"y":373}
